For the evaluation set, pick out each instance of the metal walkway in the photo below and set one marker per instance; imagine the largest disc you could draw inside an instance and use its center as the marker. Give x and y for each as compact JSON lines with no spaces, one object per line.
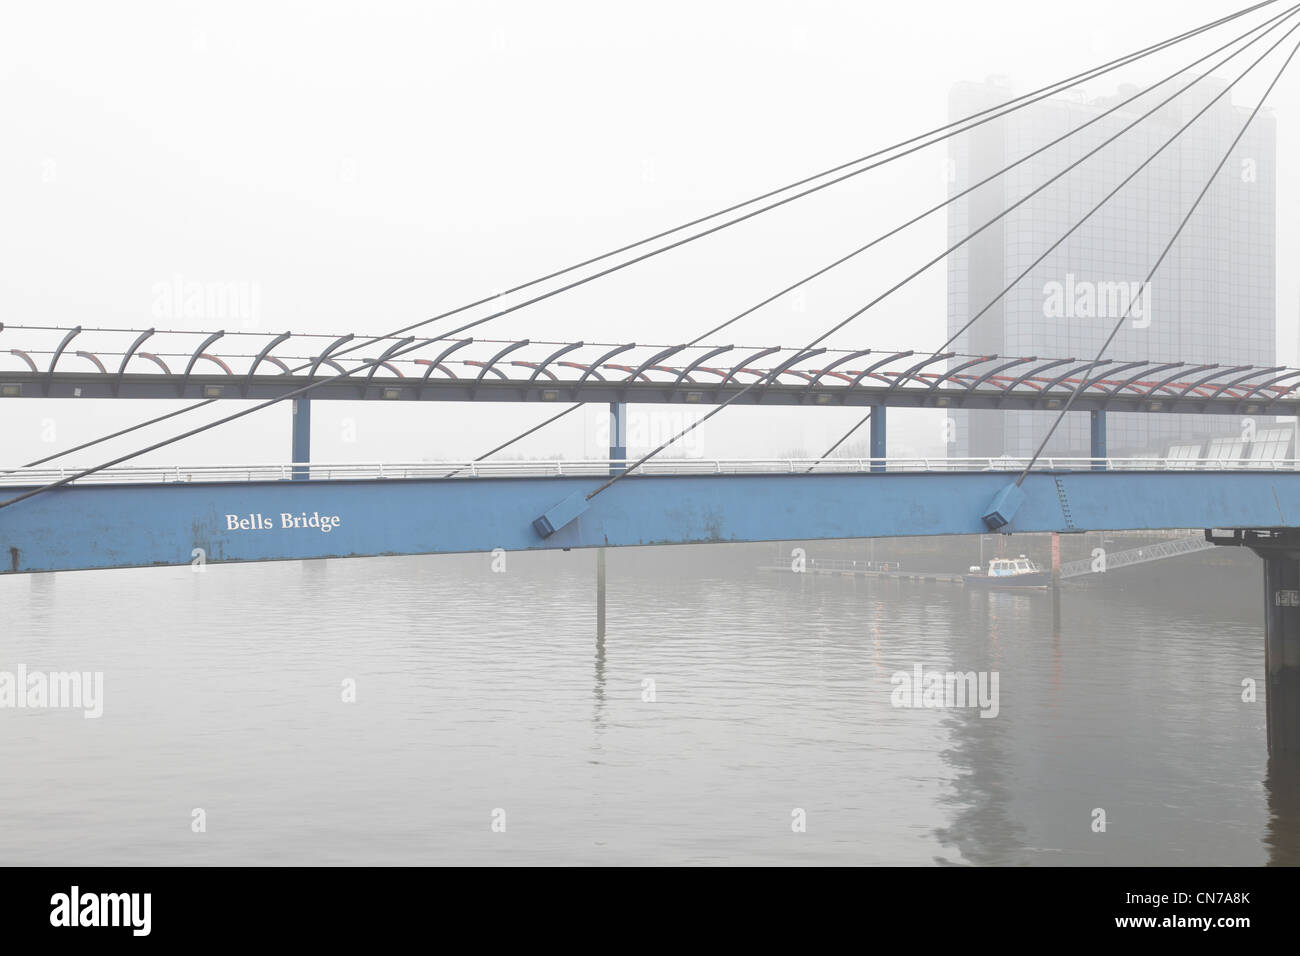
{"x":1142,"y":555}
{"x":80,"y":363}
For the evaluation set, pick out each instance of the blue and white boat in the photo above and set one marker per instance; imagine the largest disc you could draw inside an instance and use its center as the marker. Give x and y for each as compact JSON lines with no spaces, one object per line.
{"x":1009,"y":574}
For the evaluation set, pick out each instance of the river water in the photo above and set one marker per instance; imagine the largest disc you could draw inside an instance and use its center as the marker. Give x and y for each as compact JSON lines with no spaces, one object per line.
{"x":727,"y":714}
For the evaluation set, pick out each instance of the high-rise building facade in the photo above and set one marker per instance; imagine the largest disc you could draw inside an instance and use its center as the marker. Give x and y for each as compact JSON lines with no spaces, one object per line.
{"x":1211,"y":301}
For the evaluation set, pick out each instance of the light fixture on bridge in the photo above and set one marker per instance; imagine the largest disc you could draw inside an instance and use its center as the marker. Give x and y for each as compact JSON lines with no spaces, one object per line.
{"x":11,"y":390}
{"x":1252,"y":409}
{"x":1052,"y":403}
{"x":213,"y":391}
{"x":1154,"y":406}
{"x":823,"y":399}
{"x":391,"y":393}
{"x":942,"y":401}
{"x":550,"y":394}
{"x":694,"y":397}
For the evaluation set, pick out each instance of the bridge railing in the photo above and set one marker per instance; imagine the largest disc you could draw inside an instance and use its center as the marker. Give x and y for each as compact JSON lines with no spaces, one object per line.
{"x":1152,"y":551}
{"x":344,"y":471}
{"x":164,"y":362}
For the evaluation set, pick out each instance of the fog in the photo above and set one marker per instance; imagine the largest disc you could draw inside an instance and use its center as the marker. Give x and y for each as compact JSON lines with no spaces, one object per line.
{"x":363,"y":166}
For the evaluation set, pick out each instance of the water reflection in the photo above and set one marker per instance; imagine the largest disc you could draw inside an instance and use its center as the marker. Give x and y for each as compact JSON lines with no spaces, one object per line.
{"x":479,"y":690}
{"x":982,"y":828}
{"x":1283,"y":786}
{"x":598,"y":716}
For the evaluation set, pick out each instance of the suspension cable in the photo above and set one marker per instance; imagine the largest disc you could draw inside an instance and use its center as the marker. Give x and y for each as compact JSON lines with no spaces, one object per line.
{"x":1078,"y":388}
{"x":536,"y":428}
{"x":948,"y":130}
{"x":1077,"y":225}
{"x":957,"y":245}
{"x":1269,"y":24}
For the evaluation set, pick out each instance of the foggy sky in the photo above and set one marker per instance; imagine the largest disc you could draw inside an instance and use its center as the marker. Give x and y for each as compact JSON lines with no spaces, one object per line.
{"x":367,"y":165}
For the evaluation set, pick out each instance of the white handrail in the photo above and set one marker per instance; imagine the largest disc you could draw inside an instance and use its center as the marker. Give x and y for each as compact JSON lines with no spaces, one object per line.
{"x":456,"y":470}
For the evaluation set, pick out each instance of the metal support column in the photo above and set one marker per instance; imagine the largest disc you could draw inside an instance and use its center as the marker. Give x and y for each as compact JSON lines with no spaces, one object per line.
{"x":600,"y":595}
{"x":617,"y":437}
{"x":301,"y":453}
{"x":878,"y":444}
{"x":1056,"y":559}
{"x":1098,"y":453}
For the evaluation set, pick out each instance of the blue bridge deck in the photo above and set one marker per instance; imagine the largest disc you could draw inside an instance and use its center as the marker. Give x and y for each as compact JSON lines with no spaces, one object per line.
{"x":144,"y":523}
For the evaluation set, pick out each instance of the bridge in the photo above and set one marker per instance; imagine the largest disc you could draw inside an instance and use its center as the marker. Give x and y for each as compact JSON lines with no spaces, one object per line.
{"x":149,"y":516}
{"x":114,"y":514}
{"x":514,"y":504}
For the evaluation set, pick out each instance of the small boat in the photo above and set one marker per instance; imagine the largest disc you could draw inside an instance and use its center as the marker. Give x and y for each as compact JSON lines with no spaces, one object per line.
{"x":1009,"y":574}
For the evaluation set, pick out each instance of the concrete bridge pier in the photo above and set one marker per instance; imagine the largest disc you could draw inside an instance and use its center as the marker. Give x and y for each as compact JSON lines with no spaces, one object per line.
{"x":1282,"y":646}
{"x":1280,"y":552}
